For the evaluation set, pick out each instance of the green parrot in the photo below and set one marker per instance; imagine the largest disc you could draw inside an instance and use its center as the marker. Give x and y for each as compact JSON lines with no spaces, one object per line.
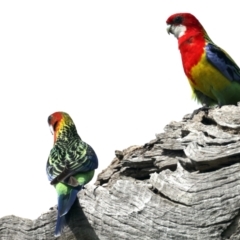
{"x":71,"y":164}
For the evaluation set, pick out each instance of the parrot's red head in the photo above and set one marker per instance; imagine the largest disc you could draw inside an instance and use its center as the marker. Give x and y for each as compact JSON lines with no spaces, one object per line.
{"x":180,"y":24}
{"x":58,"y":121}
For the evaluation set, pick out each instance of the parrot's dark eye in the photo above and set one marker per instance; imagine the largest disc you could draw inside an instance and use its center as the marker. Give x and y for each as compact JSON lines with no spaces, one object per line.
{"x":178,"y":20}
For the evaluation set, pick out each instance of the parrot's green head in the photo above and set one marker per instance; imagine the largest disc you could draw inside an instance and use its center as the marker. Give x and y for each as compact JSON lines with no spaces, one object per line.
{"x":61,"y":126}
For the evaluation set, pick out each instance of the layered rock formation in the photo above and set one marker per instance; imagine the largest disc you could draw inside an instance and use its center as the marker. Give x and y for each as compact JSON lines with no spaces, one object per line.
{"x":185,"y":184}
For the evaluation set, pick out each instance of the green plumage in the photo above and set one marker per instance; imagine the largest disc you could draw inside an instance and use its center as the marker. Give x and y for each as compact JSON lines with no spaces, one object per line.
{"x":82,"y":178}
{"x":70,"y":165}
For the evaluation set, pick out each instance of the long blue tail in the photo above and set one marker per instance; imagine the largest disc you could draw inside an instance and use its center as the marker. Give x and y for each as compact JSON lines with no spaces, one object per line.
{"x":65,"y":202}
{"x":61,"y":223}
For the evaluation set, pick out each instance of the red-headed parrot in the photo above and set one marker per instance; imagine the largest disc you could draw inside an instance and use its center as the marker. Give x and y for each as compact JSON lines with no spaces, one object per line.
{"x":70,"y":165}
{"x":213,"y":75}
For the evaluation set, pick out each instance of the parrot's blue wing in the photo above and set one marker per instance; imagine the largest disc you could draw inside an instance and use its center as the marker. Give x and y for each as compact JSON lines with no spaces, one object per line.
{"x":223,"y":62}
{"x":91,"y":163}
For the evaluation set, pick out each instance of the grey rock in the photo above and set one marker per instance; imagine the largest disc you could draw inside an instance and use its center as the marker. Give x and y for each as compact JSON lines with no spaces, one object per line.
{"x":184,"y":184}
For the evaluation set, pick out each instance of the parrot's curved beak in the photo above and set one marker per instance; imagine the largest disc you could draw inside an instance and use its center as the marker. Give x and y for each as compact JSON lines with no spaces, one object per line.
{"x":51,"y":129}
{"x":49,"y":119}
{"x":50,"y":124}
{"x":169,"y":28}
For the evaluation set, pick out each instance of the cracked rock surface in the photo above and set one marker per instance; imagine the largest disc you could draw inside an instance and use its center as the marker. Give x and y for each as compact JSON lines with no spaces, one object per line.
{"x":185,"y":184}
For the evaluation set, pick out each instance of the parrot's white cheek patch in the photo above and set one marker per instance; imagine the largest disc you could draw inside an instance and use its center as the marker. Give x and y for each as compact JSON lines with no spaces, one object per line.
{"x":178,"y":30}
{"x":51,"y":129}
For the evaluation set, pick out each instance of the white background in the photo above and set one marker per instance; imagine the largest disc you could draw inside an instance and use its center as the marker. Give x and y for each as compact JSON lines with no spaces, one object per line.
{"x":110,"y":64}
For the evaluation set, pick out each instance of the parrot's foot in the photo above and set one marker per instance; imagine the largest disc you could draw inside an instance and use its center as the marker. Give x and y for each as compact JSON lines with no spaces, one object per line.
{"x":201,"y":109}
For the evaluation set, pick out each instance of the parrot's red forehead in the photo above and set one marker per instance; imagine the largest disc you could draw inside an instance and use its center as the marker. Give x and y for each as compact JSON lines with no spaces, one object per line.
{"x":57,"y":115}
{"x":183,"y":18}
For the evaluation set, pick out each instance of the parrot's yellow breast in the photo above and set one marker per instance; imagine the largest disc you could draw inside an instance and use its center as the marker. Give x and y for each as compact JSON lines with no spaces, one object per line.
{"x":207,"y":79}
